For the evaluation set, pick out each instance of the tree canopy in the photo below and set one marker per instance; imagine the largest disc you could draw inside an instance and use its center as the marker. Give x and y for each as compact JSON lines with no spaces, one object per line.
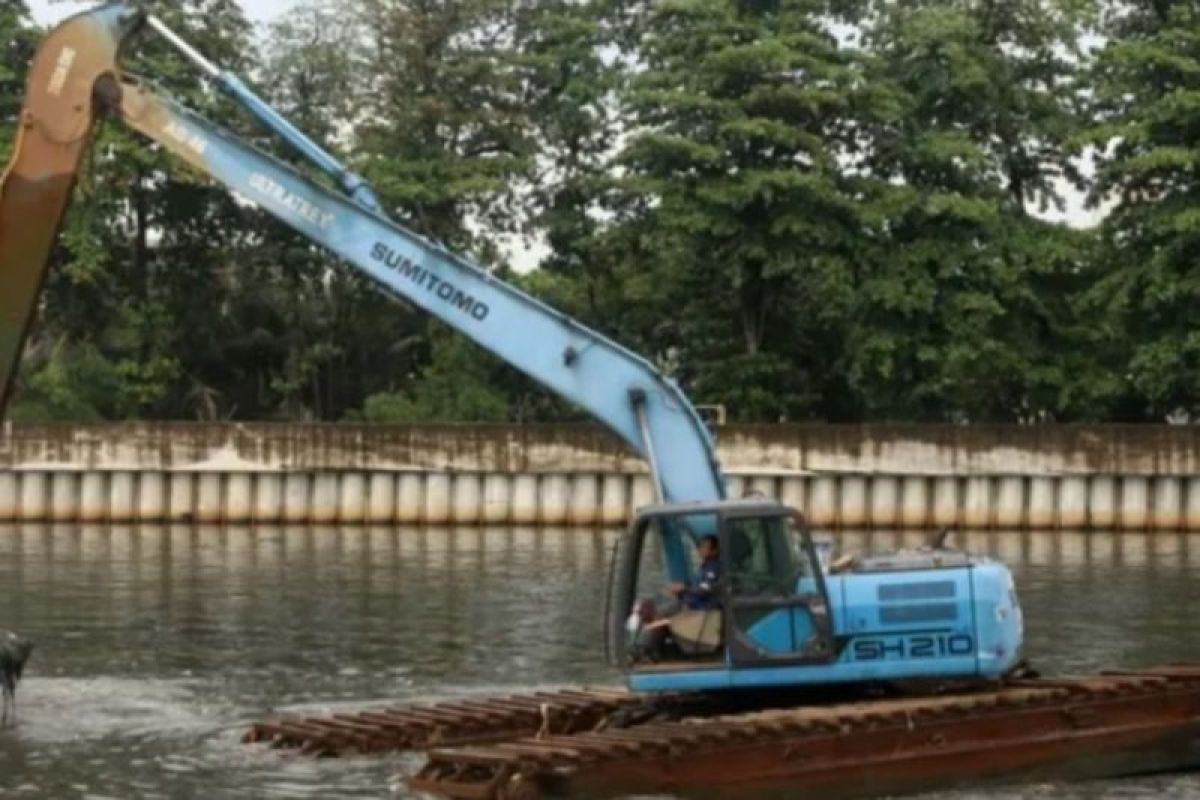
{"x":799,"y":209}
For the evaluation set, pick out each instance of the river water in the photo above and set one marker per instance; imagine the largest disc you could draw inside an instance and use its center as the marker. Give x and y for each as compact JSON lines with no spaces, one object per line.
{"x":157,"y":646}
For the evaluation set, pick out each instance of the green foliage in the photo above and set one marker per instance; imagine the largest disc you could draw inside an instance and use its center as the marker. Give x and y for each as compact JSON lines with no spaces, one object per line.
{"x":979,"y":96}
{"x":72,"y":384}
{"x":800,"y":209}
{"x":569,"y":74}
{"x":1147,"y":105}
{"x":20,"y":38}
{"x":458,"y":385}
{"x":745,"y":224}
{"x":137,"y":278}
{"x":448,"y":136}
{"x":963,"y":314}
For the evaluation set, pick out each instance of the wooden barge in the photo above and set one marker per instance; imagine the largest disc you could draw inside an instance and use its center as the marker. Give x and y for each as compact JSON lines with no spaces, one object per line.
{"x":598,"y":743}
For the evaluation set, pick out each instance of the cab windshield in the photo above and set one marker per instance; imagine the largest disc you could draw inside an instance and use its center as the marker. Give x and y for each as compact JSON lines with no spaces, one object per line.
{"x":769,"y":556}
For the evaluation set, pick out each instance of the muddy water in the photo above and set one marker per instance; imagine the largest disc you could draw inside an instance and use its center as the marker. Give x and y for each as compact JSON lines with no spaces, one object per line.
{"x":156,"y":646}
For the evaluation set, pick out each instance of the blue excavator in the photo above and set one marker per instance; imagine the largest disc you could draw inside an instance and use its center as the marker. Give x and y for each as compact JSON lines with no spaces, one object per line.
{"x":772,"y":613}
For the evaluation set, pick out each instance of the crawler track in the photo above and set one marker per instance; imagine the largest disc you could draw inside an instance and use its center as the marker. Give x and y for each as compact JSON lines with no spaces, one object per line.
{"x":595,"y":742}
{"x":419,"y":727}
{"x":1111,"y":724}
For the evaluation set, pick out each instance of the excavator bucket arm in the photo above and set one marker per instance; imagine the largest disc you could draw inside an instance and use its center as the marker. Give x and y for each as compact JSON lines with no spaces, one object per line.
{"x":74,"y":63}
{"x":77,"y":78}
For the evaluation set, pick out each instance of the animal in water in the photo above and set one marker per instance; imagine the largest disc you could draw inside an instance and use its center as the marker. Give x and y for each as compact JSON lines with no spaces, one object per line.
{"x":14,"y":652}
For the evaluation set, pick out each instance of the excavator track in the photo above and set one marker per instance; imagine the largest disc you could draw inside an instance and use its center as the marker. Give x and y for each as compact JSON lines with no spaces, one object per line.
{"x":1115,"y":723}
{"x":468,"y":720}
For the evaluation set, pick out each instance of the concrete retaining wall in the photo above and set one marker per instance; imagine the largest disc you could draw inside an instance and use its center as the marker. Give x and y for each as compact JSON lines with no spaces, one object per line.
{"x":1105,"y":477}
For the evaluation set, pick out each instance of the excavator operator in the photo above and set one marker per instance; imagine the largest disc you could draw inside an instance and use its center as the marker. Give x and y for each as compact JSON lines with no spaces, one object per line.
{"x":691,"y":628}
{"x":697,"y":595}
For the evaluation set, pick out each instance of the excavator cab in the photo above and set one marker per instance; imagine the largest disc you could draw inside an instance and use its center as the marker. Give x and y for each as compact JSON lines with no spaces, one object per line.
{"x":768,"y":606}
{"x":777,"y":618}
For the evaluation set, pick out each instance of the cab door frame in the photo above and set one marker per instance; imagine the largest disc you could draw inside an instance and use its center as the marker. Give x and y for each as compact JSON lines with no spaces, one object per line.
{"x":740,"y":650}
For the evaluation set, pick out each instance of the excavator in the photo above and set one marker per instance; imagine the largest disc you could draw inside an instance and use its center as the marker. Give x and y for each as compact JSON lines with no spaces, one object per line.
{"x":775,"y":615}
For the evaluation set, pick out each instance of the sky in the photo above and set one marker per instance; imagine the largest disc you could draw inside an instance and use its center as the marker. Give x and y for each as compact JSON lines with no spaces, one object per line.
{"x":49,"y":11}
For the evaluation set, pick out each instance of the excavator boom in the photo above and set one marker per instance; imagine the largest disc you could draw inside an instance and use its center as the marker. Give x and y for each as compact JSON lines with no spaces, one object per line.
{"x":76,"y":77}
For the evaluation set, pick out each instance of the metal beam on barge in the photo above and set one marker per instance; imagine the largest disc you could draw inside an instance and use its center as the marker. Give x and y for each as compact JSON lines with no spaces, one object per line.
{"x":467,"y":720}
{"x":1105,"y":726}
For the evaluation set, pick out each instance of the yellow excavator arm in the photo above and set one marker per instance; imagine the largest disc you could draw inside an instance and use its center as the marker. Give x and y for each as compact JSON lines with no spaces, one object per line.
{"x":73,"y":64}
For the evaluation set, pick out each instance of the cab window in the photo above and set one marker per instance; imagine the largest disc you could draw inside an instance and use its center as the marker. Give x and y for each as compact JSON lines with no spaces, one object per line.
{"x":766,"y":556}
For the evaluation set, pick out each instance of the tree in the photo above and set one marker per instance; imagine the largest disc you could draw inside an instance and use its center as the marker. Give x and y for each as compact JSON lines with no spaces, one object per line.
{"x":569,"y":74}
{"x":146,"y":241}
{"x":967,"y":113}
{"x":314,"y":336}
{"x":797,"y":208}
{"x":427,"y":100}
{"x":75,"y":384}
{"x":20,"y":36}
{"x":1146,"y":86}
{"x":742,"y":234}
{"x":460,"y":384}
{"x":443,"y":122}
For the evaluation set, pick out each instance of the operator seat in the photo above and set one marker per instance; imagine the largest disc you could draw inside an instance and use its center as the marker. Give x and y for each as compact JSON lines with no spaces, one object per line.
{"x":701,"y":632}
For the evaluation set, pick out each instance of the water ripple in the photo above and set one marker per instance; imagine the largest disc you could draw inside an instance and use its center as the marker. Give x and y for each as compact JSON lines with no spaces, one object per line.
{"x":156,"y":646}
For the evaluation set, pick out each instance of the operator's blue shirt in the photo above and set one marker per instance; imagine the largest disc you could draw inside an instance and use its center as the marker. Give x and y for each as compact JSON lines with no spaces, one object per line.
{"x":699,"y":596}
